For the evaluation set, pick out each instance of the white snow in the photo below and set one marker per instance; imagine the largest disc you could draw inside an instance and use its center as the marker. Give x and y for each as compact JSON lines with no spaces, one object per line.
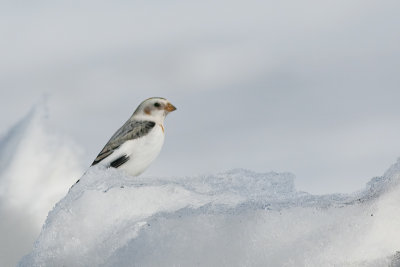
{"x":235,"y":218}
{"x":37,"y":167}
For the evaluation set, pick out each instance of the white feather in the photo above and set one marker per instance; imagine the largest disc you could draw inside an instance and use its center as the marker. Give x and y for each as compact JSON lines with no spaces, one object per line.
{"x":141,"y":151}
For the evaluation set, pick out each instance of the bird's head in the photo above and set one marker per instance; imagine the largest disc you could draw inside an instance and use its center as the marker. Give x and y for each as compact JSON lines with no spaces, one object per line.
{"x":155,"y":108}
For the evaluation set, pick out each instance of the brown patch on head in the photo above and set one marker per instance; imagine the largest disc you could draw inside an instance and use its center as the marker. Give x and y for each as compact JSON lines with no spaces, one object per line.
{"x":147,"y":110}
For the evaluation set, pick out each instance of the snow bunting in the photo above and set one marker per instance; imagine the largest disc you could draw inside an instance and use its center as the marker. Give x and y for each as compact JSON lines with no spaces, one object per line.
{"x":138,"y":142}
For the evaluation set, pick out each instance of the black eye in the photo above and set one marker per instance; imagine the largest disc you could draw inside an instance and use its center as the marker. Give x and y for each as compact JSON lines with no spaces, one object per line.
{"x":157,"y":104}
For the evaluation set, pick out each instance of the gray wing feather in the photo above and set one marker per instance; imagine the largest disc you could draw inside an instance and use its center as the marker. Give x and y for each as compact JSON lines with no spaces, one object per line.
{"x":129,"y":131}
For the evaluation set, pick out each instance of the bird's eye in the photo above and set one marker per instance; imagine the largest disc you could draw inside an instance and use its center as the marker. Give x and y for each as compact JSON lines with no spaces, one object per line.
{"x":157,"y":104}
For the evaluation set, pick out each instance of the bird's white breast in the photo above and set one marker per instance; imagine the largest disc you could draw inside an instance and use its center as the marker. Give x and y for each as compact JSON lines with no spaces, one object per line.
{"x":142,"y":151}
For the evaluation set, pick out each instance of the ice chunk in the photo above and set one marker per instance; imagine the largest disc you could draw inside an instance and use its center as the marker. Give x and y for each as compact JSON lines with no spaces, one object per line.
{"x":236,"y":218}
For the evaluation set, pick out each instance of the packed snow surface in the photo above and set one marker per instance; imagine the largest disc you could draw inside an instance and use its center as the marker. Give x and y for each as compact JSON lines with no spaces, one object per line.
{"x":236,"y":218}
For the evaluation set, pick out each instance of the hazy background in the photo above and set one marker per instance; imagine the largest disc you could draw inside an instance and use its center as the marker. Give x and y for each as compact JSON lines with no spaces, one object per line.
{"x":309,"y":87}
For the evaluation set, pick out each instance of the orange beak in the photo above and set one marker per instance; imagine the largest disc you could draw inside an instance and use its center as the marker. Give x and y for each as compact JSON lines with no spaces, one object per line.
{"x":169,"y":107}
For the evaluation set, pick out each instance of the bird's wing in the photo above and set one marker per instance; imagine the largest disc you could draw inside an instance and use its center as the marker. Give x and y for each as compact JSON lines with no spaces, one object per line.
{"x":129,"y":131}
{"x":119,"y":161}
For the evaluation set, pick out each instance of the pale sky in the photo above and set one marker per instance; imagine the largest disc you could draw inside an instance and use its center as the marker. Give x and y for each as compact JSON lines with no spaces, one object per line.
{"x":308,"y":87}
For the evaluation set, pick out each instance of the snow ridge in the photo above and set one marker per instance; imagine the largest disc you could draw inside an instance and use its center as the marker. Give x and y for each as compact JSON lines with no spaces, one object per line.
{"x":234,"y":218}
{"x":37,"y":166}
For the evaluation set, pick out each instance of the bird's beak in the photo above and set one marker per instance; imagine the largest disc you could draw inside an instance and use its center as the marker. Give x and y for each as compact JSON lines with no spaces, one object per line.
{"x":169,"y":107}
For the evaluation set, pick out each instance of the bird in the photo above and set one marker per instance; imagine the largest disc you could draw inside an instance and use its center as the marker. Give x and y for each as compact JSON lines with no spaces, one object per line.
{"x":139,"y":141}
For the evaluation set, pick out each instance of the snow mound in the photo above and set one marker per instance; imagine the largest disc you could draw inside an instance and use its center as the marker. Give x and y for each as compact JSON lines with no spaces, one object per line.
{"x":37,"y":167}
{"x":236,"y":218}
